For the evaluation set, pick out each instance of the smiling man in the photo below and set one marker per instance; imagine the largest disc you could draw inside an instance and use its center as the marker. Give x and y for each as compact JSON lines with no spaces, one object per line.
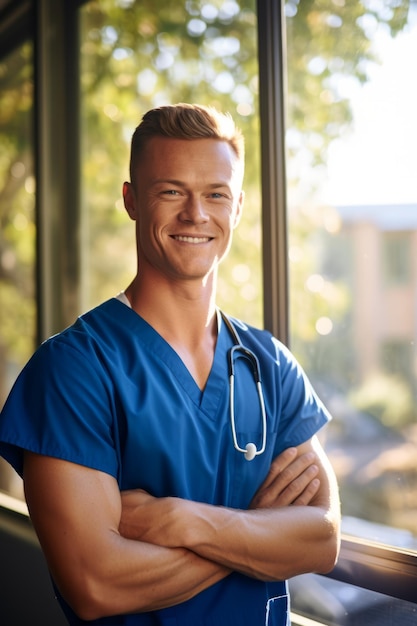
{"x":164,"y":492}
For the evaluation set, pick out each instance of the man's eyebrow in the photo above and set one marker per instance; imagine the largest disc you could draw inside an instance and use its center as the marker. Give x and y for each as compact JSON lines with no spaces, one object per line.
{"x":219,"y":184}
{"x":169,"y":181}
{"x":181,"y":183}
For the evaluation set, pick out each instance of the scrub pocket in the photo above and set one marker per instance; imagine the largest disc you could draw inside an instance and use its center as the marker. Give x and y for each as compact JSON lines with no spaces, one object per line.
{"x":277,"y":613}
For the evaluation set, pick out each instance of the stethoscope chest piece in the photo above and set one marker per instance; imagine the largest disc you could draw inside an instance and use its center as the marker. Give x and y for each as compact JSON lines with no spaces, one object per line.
{"x":250,"y":451}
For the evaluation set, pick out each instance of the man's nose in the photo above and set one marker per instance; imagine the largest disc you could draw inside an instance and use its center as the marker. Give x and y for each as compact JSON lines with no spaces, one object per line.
{"x":194,"y":210}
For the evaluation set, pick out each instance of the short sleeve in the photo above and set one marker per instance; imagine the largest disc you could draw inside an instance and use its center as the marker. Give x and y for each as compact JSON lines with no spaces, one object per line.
{"x":302,"y":412}
{"x":61,"y":406}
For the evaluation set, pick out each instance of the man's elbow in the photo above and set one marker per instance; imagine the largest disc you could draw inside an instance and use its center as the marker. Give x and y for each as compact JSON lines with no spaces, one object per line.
{"x":330,"y":545}
{"x":87,"y":599}
{"x":91,"y":596}
{"x":87,"y":610}
{"x":328,"y":559}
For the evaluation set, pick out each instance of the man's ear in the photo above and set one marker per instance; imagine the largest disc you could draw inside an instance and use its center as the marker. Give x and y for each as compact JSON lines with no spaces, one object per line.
{"x":239,"y":209}
{"x":129,"y":200}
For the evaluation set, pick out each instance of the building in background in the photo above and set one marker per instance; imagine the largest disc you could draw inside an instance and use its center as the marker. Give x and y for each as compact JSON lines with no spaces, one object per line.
{"x":382,"y":242}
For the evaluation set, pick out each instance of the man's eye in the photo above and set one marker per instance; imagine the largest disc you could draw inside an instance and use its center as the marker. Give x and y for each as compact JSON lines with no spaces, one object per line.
{"x":170,"y":192}
{"x":217,"y":195}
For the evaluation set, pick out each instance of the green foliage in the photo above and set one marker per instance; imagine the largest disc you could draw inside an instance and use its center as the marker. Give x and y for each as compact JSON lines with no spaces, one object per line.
{"x":17,"y":226}
{"x":329,"y":46}
{"x":386,"y":397}
{"x":330,"y":41}
{"x":136,"y":54}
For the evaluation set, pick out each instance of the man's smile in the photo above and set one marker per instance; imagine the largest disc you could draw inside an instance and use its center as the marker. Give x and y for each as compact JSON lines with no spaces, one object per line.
{"x":189,"y":239}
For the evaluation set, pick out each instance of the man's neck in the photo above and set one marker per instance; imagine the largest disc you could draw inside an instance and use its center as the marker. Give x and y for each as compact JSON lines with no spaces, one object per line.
{"x":185,"y":316}
{"x":162,"y":302}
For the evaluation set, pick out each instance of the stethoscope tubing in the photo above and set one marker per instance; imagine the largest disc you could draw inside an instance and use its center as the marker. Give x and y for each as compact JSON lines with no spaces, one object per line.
{"x":250,"y":451}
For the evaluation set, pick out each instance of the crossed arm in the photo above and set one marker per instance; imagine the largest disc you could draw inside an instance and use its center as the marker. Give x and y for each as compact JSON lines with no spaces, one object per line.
{"x":115,"y":553}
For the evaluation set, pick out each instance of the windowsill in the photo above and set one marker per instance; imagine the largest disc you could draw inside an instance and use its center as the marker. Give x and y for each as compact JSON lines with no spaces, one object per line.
{"x":13,"y":504}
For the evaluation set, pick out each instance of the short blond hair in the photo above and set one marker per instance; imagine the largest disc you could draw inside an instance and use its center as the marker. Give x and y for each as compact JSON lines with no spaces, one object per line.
{"x":185,"y":121}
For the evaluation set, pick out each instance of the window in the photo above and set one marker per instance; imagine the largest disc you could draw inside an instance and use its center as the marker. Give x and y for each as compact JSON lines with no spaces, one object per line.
{"x":396,"y":258}
{"x":332,"y":602}
{"x":17,"y":226}
{"x":352,"y":206}
{"x":396,"y":360}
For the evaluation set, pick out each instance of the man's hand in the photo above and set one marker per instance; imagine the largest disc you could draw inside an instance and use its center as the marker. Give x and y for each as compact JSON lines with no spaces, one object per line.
{"x":291,"y":481}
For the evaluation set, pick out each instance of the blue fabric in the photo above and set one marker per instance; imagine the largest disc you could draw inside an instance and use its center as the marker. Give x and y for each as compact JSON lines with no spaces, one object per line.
{"x":235,"y":601}
{"x":111,"y":394}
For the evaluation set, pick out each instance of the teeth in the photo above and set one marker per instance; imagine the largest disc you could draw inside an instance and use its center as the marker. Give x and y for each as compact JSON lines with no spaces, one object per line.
{"x":192,"y":239}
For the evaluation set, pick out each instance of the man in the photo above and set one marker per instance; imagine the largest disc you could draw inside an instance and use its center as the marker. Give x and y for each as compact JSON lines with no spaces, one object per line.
{"x":122,"y":426}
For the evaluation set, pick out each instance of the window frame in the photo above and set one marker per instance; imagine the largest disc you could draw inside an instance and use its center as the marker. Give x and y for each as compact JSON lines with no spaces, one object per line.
{"x":57,"y":95}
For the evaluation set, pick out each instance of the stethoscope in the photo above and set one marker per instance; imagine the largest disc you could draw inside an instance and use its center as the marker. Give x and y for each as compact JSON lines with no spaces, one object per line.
{"x":250,"y":451}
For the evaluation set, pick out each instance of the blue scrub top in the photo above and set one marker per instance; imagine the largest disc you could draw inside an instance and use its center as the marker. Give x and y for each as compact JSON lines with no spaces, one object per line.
{"x":111,"y":394}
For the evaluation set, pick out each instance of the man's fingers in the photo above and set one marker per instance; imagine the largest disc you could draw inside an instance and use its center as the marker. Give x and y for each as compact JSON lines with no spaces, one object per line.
{"x":287,"y":467}
{"x":308,"y":494}
{"x":299,"y":490}
{"x":279,"y":464}
{"x":289,"y":481}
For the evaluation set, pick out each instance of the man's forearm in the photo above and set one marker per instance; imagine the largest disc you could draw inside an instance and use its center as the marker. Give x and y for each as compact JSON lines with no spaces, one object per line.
{"x":274,"y":540}
{"x":138,"y":505}
{"x":270,"y":544}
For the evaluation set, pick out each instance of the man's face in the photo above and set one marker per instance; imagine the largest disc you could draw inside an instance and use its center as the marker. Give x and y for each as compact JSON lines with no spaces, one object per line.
{"x":186,"y":199}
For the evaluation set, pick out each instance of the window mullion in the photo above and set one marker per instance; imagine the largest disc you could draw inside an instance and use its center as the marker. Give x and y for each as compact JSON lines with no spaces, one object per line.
{"x":56,"y":79}
{"x":272,"y":113}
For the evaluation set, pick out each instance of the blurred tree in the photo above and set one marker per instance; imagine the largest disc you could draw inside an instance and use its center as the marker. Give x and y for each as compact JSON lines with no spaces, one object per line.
{"x":330,"y":43}
{"x":138,"y":54}
{"x":329,"y":47}
{"x":17,"y":219}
